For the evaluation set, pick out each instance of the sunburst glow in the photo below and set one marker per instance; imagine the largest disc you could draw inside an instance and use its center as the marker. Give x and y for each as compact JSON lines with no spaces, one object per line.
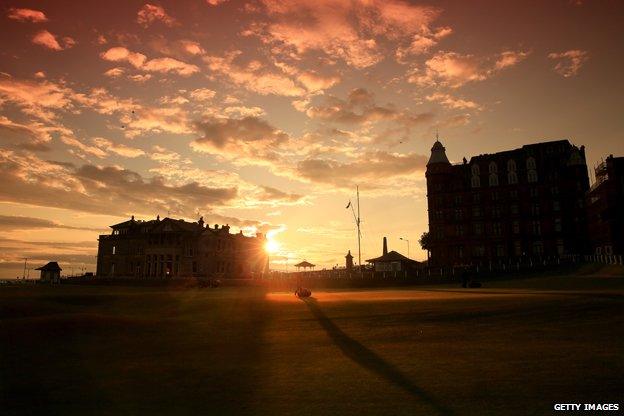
{"x":272,"y":246}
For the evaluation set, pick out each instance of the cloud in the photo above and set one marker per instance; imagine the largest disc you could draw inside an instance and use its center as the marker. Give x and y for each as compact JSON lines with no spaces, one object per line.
{"x":422,"y":43}
{"x":48,"y":40}
{"x":121,"y":54}
{"x":360,"y":107}
{"x":165,"y":65}
{"x":253,"y":76}
{"x":150,"y":13}
{"x":215,"y":2}
{"x":569,"y":62}
{"x":38,"y":99}
{"x":367,"y":169}
{"x":349,"y":31}
{"x":13,"y":222}
{"x":108,"y":190}
{"x":139,"y":61}
{"x":26,"y":15}
{"x":249,"y":139}
{"x":34,"y":136}
{"x":454,"y":70}
{"x":118,"y":148}
{"x":202,"y":94}
{"x":278,"y":197}
{"x":449,"y":101}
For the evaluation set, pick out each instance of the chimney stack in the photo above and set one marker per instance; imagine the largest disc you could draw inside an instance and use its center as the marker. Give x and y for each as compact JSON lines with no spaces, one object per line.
{"x":385,"y":246}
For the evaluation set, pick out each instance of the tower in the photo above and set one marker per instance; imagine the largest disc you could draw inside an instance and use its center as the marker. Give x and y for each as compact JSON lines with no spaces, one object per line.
{"x":439,"y":176}
{"x":349,"y":260}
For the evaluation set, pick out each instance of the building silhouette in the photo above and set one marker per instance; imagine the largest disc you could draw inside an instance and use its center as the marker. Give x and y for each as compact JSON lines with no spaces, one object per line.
{"x":512,"y":205}
{"x":391,"y":261}
{"x":171,"y":248}
{"x":605,"y":208}
{"x":50,"y":273}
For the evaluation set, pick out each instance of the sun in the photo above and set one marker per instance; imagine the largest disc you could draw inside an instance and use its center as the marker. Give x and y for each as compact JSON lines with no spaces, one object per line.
{"x":271,"y":246}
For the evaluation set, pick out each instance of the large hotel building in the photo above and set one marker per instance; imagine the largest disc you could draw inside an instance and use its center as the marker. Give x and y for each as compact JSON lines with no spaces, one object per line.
{"x":171,"y":248}
{"x":517,"y":204}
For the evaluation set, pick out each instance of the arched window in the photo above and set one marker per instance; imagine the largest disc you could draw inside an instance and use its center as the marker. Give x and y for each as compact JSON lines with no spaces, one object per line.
{"x":512,"y":177}
{"x":493,"y":179}
{"x":532,"y":176}
{"x":492,"y":168}
{"x":475,"y":182}
{"x":511,"y":165}
{"x":475,"y":170}
{"x":530,"y":163}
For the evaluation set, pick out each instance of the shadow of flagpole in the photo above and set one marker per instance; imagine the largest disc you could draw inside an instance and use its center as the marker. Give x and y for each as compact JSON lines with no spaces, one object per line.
{"x":370,"y":360}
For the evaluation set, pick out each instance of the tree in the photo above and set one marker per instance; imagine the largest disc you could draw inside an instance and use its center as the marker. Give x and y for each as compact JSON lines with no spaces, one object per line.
{"x":425,"y":242}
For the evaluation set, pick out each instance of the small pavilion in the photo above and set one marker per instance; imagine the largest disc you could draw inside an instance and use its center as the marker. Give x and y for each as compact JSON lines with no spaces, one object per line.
{"x":50,"y":273}
{"x":306,"y":265}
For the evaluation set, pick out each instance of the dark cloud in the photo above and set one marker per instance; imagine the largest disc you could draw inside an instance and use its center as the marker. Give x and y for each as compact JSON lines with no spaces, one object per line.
{"x":368,"y":168}
{"x":12,"y":222}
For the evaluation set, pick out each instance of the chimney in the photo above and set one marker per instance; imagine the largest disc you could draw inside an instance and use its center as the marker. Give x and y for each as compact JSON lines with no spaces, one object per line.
{"x":385,"y":246}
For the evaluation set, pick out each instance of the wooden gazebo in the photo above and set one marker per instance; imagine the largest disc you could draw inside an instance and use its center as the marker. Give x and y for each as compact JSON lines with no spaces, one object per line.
{"x":306,"y":265}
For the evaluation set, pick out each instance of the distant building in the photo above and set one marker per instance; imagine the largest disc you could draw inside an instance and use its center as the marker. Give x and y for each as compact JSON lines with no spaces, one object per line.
{"x":171,"y":248}
{"x":50,"y":273}
{"x":392,"y":261}
{"x":605,"y":208}
{"x":349,"y":261}
{"x":526,"y":202}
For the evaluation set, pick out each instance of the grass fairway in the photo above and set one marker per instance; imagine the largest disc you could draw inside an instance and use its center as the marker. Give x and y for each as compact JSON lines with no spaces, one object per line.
{"x":511,"y":348}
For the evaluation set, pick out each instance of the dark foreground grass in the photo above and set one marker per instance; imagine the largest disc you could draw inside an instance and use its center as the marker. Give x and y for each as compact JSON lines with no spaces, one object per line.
{"x":441,"y":351}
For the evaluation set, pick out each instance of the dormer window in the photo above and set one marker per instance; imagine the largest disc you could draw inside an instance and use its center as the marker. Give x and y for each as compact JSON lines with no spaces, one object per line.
{"x":475,"y":170}
{"x":511,"y":165}
{"x":475,"y":182}
{"x":530,"y":163}
{"x":493,"y":179}
{"x":512,"y":178}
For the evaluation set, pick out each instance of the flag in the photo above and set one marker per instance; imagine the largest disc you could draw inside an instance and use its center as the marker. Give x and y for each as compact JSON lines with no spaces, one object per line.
{"x":348,"y":205}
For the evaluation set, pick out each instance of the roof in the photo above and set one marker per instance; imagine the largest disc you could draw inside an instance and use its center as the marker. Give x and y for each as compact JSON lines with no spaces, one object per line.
{"x":438,"y":154}
{"x":305,"y":264}
{"x":391,"y":256}
{"x":51,"y":266}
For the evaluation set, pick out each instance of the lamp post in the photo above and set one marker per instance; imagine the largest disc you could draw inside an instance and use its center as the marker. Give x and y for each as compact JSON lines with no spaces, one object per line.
{"x":407,"y":241}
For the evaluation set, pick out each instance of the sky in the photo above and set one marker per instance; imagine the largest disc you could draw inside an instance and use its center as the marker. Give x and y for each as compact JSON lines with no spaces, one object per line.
{"x":266,"y":115}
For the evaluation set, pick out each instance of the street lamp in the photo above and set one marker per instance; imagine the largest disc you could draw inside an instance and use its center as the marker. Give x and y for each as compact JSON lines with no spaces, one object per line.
{"x":408,"y":250}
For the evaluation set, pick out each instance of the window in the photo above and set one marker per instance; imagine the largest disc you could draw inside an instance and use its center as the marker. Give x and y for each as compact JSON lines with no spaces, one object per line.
{"x":475,"y":182}
{"x":513,"y":208}
{"x":517,"y":248}
{"x":556,"y":206}
{"x":479,"y":251}
{"x":513,"y":194}
{"x":493,"y":179}
{"x":532,"y":176}
{"x":475,"y":170}
{"x":560,"y":247}
{"x":554,"y":191}
{"x":516,"y":227}
{"x":492,"y":168}
{"x":458,"y":199}
{"x":459,"y":230}
{"x":558,"y":225}
{"x":476,"y":198}
{"x":496,"y":212}
{"x":500,"y":250}
{"x":478,"y":228}
{"x":534,"y":193}
{"x":535,"y":210}
{"x":476,"y":212}
{"x":497,"y":229}
{"x":114,"y":249}
{"x":511,"y":165}
{"x":512,"y":178}
{"x":530,"y":163}
{"x":458,"y":214}
{"x":537,"y":228}
{"x":538,"y":248}
{"x":494,"y":196}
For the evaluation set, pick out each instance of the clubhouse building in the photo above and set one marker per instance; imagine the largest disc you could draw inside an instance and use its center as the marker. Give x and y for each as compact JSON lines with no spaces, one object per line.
{"x":170,"y":248}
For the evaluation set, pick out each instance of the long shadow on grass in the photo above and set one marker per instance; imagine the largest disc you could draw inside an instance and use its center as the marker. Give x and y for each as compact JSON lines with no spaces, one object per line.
{"x":371,"y":361}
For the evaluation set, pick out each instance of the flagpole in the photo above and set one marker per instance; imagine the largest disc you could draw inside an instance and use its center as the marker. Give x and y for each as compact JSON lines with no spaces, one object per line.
{"x":357,"y":188}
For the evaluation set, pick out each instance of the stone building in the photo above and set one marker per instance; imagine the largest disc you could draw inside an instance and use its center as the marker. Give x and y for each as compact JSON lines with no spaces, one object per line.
{"x":605,"y":208}
{"x":171,"y":248}
{"x":522,"y":203}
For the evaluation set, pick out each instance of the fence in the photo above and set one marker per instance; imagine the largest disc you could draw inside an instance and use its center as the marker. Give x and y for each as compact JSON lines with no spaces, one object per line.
{"x":604,"y":259}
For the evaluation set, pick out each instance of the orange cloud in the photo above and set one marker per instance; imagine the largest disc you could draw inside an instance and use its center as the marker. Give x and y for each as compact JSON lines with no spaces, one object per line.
{"x":139,"y":61}
{"x":570,"y":62}
{"x":26,"y":15}
{"x":150,"y":13}
{"x":47,"y":40}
